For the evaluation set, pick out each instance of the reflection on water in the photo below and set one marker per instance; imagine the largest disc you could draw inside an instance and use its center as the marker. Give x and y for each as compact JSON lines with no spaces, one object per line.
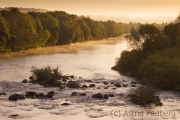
{"x":89,"y":59}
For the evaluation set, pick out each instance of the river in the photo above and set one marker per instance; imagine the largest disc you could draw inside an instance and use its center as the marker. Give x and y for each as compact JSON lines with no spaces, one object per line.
{"x":90,"y":60}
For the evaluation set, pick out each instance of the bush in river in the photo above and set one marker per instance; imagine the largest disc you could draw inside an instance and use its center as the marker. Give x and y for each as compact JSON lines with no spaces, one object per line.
{"x":46,"y":75}
{"x":144,"y":96}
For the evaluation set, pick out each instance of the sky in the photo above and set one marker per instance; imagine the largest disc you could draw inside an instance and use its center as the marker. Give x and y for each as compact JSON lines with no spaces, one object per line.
{"x":128,"y":8}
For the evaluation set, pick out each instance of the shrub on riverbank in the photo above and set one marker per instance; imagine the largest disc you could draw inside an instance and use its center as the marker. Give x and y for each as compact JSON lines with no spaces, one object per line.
{"x":144,"y":96}
{"x":154,"y":57}
{"x":46,"y":76}
{"x":162,"y":69}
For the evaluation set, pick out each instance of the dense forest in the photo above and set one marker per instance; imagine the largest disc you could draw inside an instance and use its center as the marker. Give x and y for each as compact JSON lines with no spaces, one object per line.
{"x":22,"y":31}
{"x":153,"y":56}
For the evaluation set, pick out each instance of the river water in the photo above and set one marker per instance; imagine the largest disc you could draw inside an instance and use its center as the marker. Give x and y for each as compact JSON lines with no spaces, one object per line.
{"x":90,"y":60}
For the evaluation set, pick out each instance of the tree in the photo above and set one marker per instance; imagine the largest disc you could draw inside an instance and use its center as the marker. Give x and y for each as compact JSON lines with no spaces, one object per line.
{"x":172,"y":31}
{"x":4,"y":33}
{"x":49,"y":23}
{"x":85,"y":28}
{"x":23,"y":30}
{"x":147,"y":38}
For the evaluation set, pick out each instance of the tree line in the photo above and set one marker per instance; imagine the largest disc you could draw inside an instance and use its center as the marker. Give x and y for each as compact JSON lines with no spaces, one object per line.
{"x":154,"y":55}
{"x":21,"y":31}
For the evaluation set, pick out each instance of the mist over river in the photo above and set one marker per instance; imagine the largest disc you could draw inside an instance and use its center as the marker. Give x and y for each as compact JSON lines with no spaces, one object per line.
{"x":90,"y":60}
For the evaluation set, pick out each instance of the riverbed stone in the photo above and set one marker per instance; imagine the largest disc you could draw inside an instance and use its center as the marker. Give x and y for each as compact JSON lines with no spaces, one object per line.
{"x":14,"y":116}
{"x":87,"y":80}
{"x":73,"y":84}
{"x":112,"y":82}
{"x":105,"y":83}
{"x":15,"y":97}
{"x":133,"y":85}
{"x":125,"y":85}
{"x":82,"y":94}
{"x":50,"y":94}
{"x":98,"y":95}
{"x":74,"y":94}
{"x":106,"y":96}
{"x":3,"y":93}
{"x":92,"y":85}
{"x":30,"y":93}
{"x":111,"y":95}
{"x":25,"y":81}
{"x":117,"y":85}
{"x":65,"y":104}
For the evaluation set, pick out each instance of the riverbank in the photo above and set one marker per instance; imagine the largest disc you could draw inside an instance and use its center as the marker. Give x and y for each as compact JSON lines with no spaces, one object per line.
{"x":74,"y":47}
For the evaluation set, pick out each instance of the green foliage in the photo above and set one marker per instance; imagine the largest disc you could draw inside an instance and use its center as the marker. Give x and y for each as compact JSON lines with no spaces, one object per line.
{"x":46,"y":75}
{"x":4,"y":33}
{"x":49,"y":23}
{"x":21,"y":31}
{"x":129,"y":62}
{"x":154,"y":57}
{"x":172,"y":31}
{"x":145,"y":37}
{"x":162,"y":69}
{"x":85,"y":29}
{"x":144,"y":96}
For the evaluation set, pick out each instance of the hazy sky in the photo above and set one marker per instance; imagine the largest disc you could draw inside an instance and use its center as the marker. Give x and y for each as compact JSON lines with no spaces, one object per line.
{"x":131,"y":8}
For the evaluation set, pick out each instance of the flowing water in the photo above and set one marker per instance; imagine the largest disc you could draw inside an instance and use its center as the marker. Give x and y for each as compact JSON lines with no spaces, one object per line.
{"x":90,"y":60}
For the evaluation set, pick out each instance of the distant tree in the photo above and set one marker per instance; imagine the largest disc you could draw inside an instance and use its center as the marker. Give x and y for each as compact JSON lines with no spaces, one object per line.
{"x":85,"y":28}
{"x":70,"y":30}
{"x":4,"y":33}
{"x":23,"y":30}
{"x":49,"y":23}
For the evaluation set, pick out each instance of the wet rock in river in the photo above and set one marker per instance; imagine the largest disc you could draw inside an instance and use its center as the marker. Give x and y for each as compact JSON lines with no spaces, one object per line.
{"x":111,"y":95}
{"x":25,"y":81}
{"x":87,"y":80}
{"x":73,"y":84}
{"x":74,"y":94}
{"x":14,"y":116}
{"x":84,"y":86}
{"x":133,"y":85}
{"x":92,"y":85}
{"x":117,"y":85}
{"x":65,"y":104}
{"x":105,"y":83}
{"x":30,"y":93}
{"x":13,"y":98}
{"x":50,"y":94}
{"x":3,"y":93}
{"x":106,"y":96}
{"x":125,"y":85}
{"x":16,"y":97}
{"x":62,"y":87}
{"x":99,"y":96}
{"x":106,"y":87}
{"x":82,"y":94}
